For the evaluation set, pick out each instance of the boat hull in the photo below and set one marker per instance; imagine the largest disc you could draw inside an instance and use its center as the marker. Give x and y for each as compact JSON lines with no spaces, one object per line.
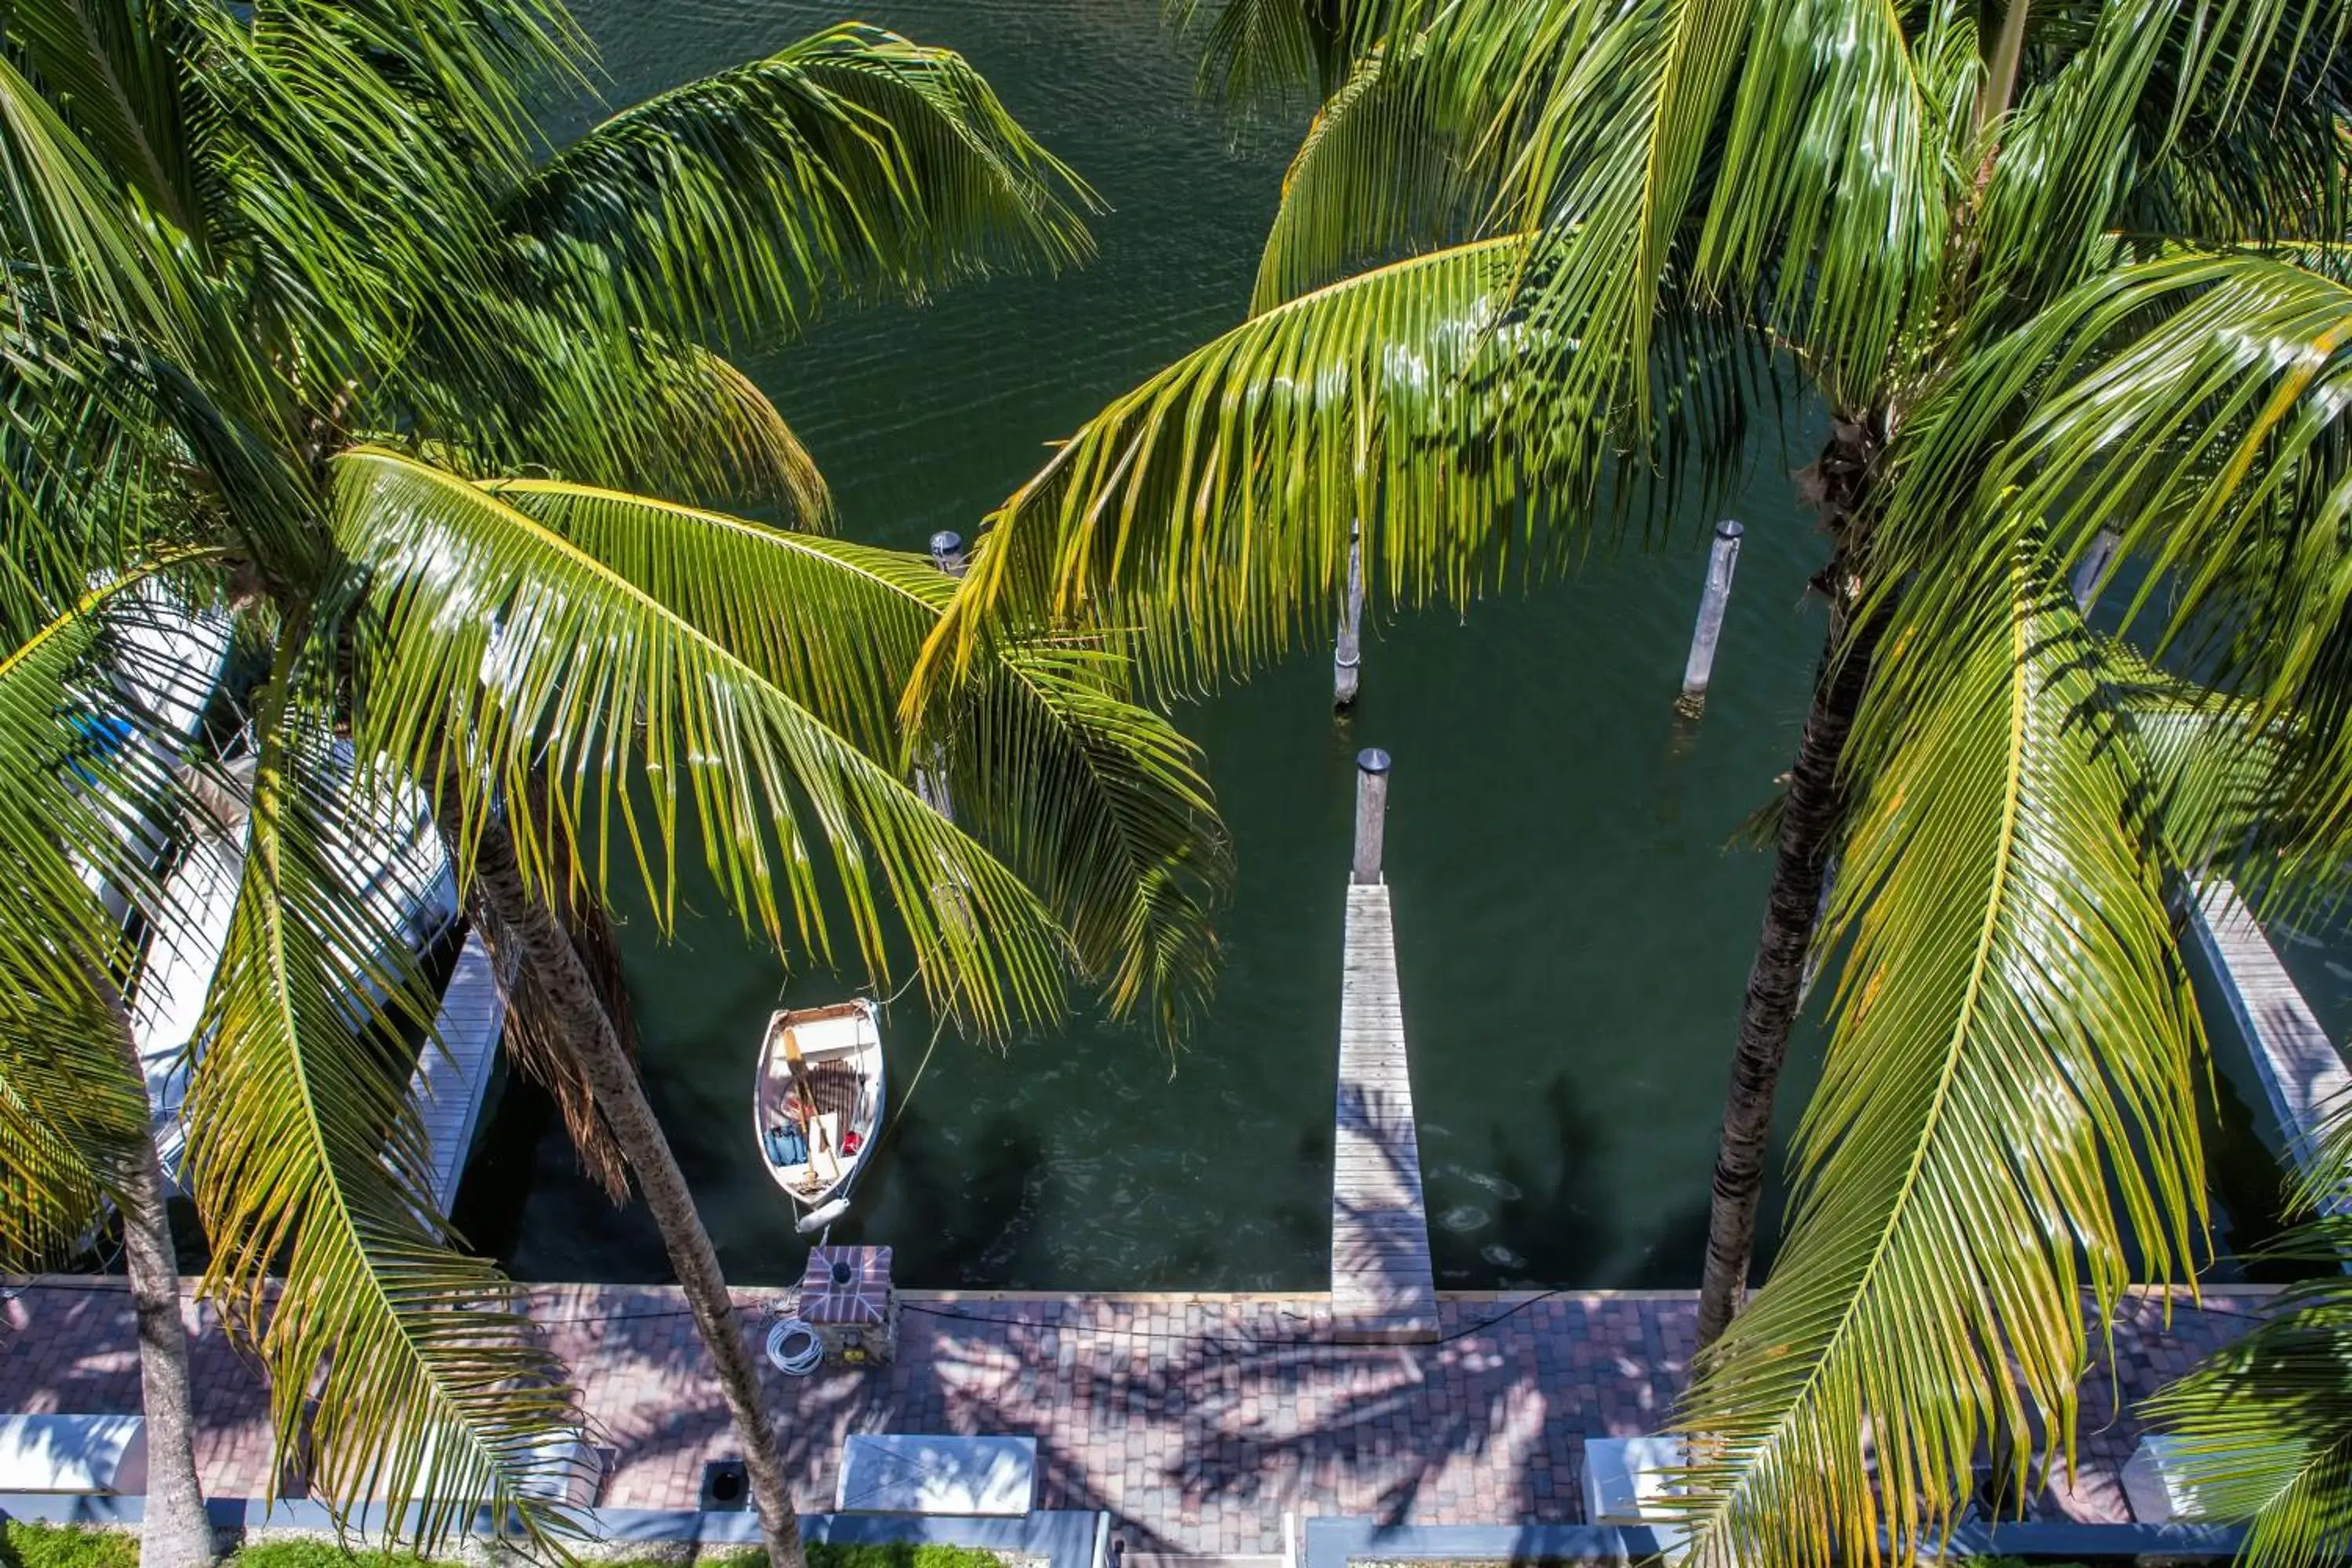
{"x":817,"y":1105}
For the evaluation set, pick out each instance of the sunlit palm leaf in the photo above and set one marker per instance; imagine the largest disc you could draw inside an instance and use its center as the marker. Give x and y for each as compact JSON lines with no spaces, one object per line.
{"x":1848,"y":139}
{"x":832,"y":623}
{"x":2246,"y":173}
{"x":467,"y":67}
{"x":853,"y":162}
{"x":621,"y":409}
{"x":2229,"y":373}
{"x":90,"y":477}
{"x":1099,"y":804}
{"x":1262,"y":53}
{"x":359,"y":174}
{"x":498,"y":649}
{"x":308,"y":1164}
{"x":80,"y":242}
{"x":49,"y":1195}
{"x":1210,"y":509}
{"x":1598,"y":119}
{"x":83,"y":772}
{"x":2217,"y":772}
{"x":2009,"y":1106}
{"x":1095,"y":803}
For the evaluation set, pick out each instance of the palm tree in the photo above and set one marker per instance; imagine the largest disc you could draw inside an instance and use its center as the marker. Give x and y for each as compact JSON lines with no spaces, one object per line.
{"x":1619,"y":226}
{"x":292,"y":289}
{"x":74,"y":1128}
{"x":2265,"y":1425}
{"x":2225,"y":365}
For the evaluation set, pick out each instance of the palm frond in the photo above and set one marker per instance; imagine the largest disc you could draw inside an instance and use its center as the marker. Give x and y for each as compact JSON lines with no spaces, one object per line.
{"x":1263,"y":55}
{"x":466,"y":71}
{"x":66,"y":1109}
{"x":2076,"y":151}
{"x":2249,"y":173}
{"x":1131,"y":859}
{"x":2217,"y":772}
{"x":50,"y":1195}
{"x":496,"y":648}
{"x":308,"y":1165}
{"x":1841,"y":176}
{"x":596,"y":405}
{"x":1375,"y":173}
{"x":1099,"y":804}
{"x":359,"y":189}
{"x":80,"y":242}
{"x":1598,"y":121}
{"x":2008,"y":1105}
{"x":832,"y":623}
{"x":114,"y":71}
{"x":2192,"y":405}
{"x":83,"y":772}
{"x":852,"y":164}
{"x":1208,"y":510}
{"x":88,"y":477}
{"x":2263,"y":1427}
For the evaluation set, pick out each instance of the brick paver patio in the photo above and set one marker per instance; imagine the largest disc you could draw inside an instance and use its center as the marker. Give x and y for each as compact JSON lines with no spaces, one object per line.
{"x":1196,"y":1420}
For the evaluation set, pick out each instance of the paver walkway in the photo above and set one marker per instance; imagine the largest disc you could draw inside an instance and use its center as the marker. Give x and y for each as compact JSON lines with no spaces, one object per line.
{"x":1196,"y":1420}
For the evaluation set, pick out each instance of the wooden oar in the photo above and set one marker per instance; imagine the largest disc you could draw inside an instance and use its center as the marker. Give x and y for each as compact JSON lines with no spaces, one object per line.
{"x":812,"y":1126}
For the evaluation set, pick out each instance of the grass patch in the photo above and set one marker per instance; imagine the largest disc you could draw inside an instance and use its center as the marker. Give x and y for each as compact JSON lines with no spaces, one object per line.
{"x":828,"y":1554}
{"x":322,"y":1554}
{"x":29,"y":1545}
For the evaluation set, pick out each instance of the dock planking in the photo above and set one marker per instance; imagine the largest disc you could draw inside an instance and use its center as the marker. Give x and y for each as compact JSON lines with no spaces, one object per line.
{"x":2303,"y":1074}
{"x":1383,"y":1289}
{"x":453,"y":1070}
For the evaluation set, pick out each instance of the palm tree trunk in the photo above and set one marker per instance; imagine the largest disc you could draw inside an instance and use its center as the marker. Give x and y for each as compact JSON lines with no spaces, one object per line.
{"x":1809,"y":818}
{"x":176,"y":1534}
{"x":621,"y":1098}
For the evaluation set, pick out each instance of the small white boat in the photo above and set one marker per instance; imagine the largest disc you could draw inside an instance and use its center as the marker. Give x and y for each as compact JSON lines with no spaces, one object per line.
{"x":817,"y":1105}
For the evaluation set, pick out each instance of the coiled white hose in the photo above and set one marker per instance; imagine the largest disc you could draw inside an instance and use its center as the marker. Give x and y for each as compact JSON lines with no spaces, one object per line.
{"x":794,"y":1347}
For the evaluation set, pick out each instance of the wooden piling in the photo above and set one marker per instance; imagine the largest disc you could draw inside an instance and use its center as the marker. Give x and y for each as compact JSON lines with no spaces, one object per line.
{"x":2092,"y":567}
{"x":1722,"y":560}
{"x":1347,"y":648}
{"x":947,"y":553}
{"x":931,"y":782}
{"x":1372,"y":814}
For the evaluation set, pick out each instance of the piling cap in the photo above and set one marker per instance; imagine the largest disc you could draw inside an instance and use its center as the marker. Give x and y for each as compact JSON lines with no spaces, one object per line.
{"x":1727,"y":529}
{"x":1372,"y":759}
{"x":947,"y":541}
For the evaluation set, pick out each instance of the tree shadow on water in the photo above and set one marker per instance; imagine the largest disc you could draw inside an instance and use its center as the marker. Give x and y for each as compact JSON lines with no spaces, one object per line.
{"x":1553,"y":1217}
{"x":974,"y":1200}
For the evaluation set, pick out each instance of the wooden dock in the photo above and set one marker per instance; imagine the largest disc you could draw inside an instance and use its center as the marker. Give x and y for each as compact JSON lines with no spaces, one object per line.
{"x":1382,"y":1289}
{"x":453,"y":1078}
{"x":2302,"y":1072}
{"x":187,"y":933}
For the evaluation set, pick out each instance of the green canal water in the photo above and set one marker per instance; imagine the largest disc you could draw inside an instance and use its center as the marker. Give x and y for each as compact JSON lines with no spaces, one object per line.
{"x":1573,"y":926}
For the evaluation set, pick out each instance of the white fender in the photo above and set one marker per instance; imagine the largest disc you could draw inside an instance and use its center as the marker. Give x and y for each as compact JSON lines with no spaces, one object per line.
{"x":816,"y":1219}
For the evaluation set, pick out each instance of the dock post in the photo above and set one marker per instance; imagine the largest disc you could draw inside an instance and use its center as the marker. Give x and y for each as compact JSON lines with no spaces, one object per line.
{"x":1722,"y":560}
{"x":947,"y":552}
{"x":1348,"y":650}
{"x":2094,"y":566}
{"x":1372,"y":814}
{"x":931,"y":783}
